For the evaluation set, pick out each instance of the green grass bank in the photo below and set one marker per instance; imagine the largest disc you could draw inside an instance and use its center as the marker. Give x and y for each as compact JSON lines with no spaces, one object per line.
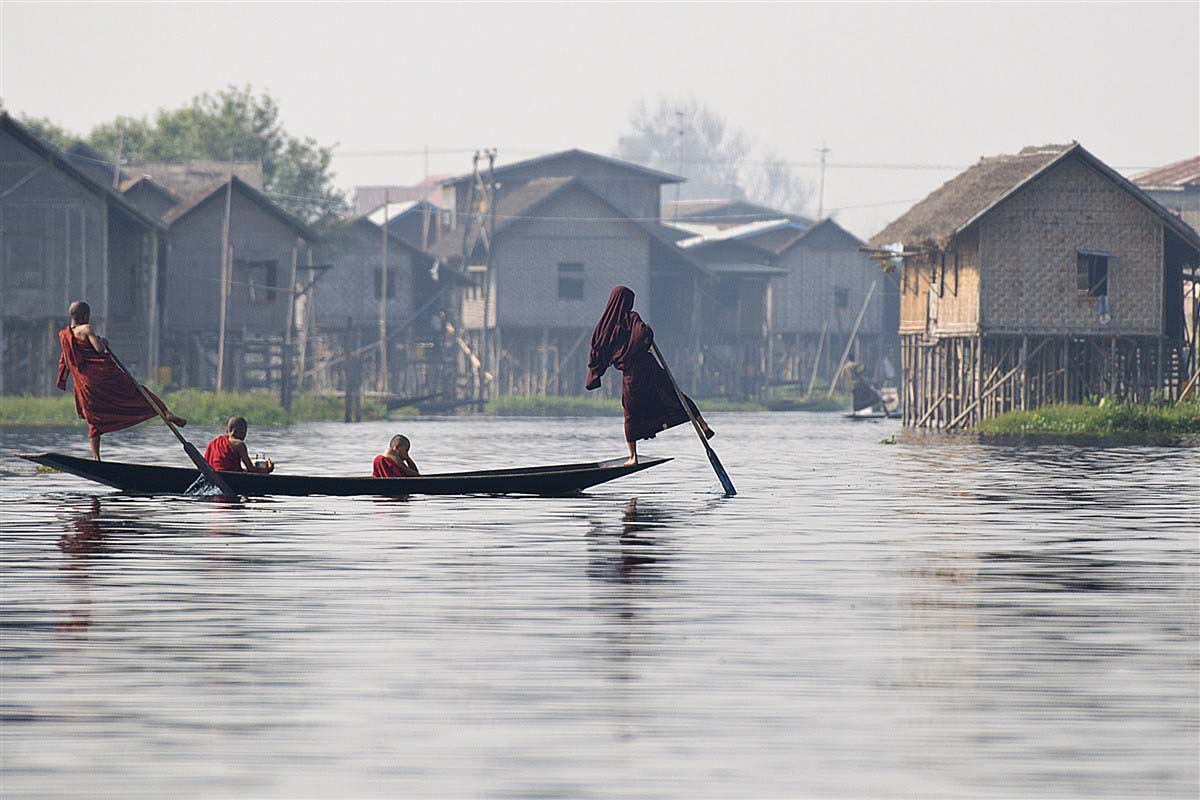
{"x":199,"y":408}
{"x":1104,"y":419}
{"x":589,"y":406}
{"x":261,"y":408}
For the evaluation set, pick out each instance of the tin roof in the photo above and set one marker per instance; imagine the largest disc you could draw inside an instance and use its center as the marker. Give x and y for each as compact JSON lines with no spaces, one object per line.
{"x":663,"y":177}
{"x":1173,"y":176}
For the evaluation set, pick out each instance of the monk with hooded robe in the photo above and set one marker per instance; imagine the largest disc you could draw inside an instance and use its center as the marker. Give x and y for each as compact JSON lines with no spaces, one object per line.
{"x":622,"y":340}
{"x":104,"y":395}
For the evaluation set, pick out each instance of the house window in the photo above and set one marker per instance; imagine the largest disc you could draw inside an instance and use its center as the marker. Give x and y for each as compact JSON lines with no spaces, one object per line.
{"x":841,"y":297}
{"x":727,"y":292}
{"x":25,"y":238}
{"x":25,"y":258}
{"x":391,"y":287}
{"x":570,"y":280}
{"x":1091,"y":274}
{"x":260,"y":278}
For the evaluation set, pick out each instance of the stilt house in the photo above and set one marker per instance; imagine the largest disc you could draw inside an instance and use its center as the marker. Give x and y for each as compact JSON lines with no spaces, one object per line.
{"x":269,"y":253}
{"x":1037,"y":278}
{"x":832,"y":301}
{"x":67,"y":235}
{"x":350,"y":307}
{"x":562,"y":230}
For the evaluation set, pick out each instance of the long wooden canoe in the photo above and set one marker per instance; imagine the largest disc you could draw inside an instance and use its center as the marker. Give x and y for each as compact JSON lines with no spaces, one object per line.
{"x":562,"y":479}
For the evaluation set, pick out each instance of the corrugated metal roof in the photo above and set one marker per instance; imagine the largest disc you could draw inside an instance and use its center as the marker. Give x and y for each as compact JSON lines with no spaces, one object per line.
{"x":664,"y":177}
{"x":740,"y":232}
{"x":1173,"y":176}
{"x":745,"y":269}
{"x":393,"y":210}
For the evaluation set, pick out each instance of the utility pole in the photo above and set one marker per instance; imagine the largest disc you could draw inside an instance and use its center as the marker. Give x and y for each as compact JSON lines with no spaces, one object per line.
{"x":493,"y":277}
{"x":679,"y":116}
{"x":117,"y":164}
{"x":383,"y":292}
{"x":824,"y":151}
{"x":226,"y":269}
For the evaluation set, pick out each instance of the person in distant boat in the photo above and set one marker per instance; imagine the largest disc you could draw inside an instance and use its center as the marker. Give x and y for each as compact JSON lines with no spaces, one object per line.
{"x":622,"y":340}
{"x":228,"y":453}
{"x":864,"y":394}
{"x":396,"y":462}
{"x":105,"y":395}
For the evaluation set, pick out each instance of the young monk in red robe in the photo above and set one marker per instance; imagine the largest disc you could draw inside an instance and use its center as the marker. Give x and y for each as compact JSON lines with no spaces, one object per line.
{"x":622,"y":340}
{"x":228,"y":452}
{"x":396,"y":462}
{"x":104,"y":395}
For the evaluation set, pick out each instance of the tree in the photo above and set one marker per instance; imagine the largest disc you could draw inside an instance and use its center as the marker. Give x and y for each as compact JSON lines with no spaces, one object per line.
{"x":234,"y":123}
{"x":689,"y":139}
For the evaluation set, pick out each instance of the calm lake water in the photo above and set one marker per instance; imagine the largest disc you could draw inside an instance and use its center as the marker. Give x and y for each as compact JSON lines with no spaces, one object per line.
{"x":933,"y":618}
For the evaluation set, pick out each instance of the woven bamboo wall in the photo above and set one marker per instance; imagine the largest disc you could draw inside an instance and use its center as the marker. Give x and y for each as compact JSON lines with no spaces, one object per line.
{"x":1028,"y":250}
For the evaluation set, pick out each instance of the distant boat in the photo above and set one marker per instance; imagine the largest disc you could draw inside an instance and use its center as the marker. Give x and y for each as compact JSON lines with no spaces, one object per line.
{"x":558,"y":480}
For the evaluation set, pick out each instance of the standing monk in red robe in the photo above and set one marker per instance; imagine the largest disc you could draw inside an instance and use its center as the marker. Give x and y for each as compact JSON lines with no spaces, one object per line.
{"x":104,"y":395}
{"x":649,"y":400}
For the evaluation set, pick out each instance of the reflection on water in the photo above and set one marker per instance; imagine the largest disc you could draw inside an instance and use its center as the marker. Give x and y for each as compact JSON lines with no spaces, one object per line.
{"x":937,"y":619}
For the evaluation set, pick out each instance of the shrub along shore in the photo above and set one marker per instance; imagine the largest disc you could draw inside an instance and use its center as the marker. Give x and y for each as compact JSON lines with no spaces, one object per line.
{"x":1125,"y":420}
{"x":197,"y":407}
{"x":261,"y":408}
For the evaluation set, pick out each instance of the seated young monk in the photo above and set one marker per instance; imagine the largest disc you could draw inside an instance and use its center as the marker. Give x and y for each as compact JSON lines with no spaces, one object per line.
{"x":228,"y":453}
{"x":104,"y":395}
{"x":622,"y":340}
{"x":396,"y":462}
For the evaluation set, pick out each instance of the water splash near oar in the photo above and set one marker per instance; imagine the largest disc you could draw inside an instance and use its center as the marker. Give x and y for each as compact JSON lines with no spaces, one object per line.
{"x":202,"y":488}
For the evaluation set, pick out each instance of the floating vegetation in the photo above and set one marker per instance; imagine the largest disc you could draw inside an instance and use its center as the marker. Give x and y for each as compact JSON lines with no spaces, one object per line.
{"x":1102,"y":419}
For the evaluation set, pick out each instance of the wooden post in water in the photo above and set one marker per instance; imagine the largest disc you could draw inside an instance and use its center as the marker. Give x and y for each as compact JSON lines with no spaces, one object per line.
{"x":285,"y":373}
{"x":812,"y":379}
{"x":348,"y":369}
{"x":383,"y":301}
{"x":226,"y":263}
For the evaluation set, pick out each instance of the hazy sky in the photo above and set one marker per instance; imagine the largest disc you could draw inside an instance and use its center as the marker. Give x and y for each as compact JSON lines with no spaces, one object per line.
{"x":879,"y":84}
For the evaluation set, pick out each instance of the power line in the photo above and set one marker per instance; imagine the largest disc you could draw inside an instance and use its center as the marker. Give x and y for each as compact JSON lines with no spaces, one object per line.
{"x":867,"y":165}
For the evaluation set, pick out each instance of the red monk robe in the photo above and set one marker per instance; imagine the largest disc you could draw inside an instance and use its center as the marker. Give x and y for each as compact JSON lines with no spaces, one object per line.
{"x":384,"y":467}
{"x":622,"y":340}
{"x":221,"y":455}
{"x":104,"y":395}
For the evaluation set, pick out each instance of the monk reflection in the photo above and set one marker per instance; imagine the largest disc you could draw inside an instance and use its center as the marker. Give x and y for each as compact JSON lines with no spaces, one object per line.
{"x":105,"y":395}
{"x":84,"y":539}
{"x":634,"y":561}
{"x":622,"y":340}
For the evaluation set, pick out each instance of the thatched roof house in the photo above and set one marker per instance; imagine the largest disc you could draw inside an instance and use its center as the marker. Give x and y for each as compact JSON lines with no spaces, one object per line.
{"x":963,"y":200}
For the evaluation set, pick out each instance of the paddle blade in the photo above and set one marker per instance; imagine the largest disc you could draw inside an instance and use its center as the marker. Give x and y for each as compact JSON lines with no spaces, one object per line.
{"x":207,"y":473}
{"x":722,"y":475}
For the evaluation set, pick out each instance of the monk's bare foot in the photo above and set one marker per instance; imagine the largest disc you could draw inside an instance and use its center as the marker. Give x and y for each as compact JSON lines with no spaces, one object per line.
{"x":178,"y":422}
{"x":631,"y":462}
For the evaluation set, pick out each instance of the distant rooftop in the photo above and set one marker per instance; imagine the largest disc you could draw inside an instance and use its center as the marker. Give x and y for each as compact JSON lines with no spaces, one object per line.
{"x":197,"y":175}
{"x":724,"y":212}
{"x":369,"y":198}
{"x":746,"y":231}
{"x":663,"y":177}
{"x":1178,"y":175}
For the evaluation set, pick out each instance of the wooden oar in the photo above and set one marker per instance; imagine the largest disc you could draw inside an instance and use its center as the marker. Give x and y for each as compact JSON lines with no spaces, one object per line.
{"x":205,"y":468}
{"x":718,"y":468}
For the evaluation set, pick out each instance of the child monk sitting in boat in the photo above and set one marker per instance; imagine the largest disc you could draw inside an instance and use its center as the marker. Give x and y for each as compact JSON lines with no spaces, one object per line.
{"x":396,"y":462}
{"x":228,"y":451}
{"x":622,"y":340}
{"x":105,"y":395}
